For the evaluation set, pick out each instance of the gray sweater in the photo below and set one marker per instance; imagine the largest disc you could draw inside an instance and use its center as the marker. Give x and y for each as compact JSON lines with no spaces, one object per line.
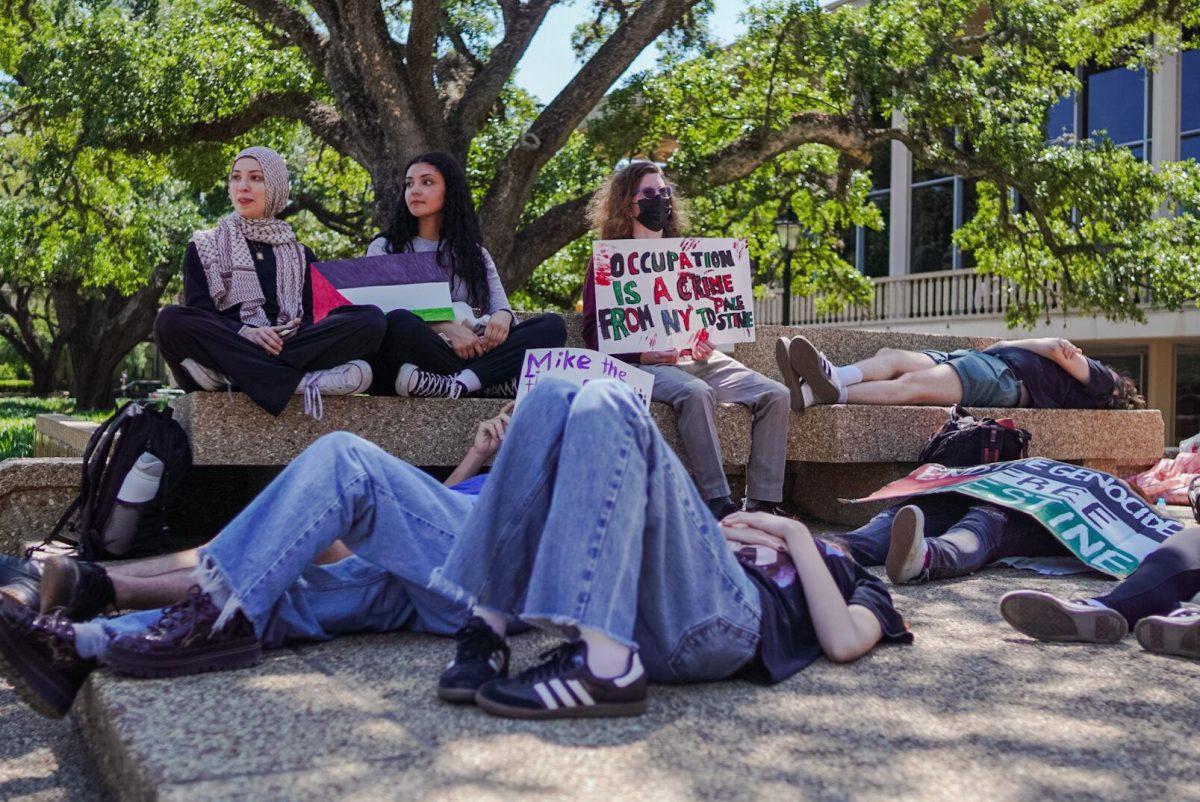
{"x":497,"y":297}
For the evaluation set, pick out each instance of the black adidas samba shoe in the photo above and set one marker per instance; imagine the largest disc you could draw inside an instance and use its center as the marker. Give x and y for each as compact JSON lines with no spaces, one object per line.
{"x":564,"y":687}
{"x":482,"y":656}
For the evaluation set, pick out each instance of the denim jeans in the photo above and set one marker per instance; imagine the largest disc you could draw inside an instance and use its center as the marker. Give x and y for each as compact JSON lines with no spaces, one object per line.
{"x":399,"y":522}
{"x":590,"y":520}
{"x":983,"y":533}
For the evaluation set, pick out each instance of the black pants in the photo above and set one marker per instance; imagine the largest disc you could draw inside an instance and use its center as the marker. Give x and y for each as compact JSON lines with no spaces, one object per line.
{"x":184,"y":332}
{"x":1168,"y":576}
{"x":410,"y":339}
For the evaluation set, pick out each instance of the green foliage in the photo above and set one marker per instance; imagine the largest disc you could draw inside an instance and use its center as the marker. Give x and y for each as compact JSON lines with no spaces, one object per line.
{"x":17,"y":416}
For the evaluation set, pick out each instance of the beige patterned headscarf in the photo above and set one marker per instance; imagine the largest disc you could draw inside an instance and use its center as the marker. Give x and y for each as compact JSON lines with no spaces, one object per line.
{"x":228,"y":266}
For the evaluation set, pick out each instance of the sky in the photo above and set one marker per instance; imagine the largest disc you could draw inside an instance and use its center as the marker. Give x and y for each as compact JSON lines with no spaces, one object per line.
{"x":549,"y":63}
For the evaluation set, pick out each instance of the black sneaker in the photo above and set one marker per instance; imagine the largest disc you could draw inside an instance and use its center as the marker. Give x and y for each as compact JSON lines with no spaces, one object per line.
{"x":722,"y":506}
{"x":482,"y":656}
{"x":505,"y":389}
{"x":37,"y":655}
{"x":184,"y":641}
{"x":412,"y":382}
{"x":19,"y":579}
{"x":81,"y":588}
{"x":564,"y":687}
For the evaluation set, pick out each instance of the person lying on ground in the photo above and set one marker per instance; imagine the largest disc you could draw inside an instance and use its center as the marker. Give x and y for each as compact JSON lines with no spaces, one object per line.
{"x":1152,"y":601}
{"x":947,"y":535}
{"x":1047,"y":373}
{"x":596,"y":533}
{"x":246,"y":321}
{"x":637,"y":203}
{"x":448,"y":360}
{"x":293,"y":577}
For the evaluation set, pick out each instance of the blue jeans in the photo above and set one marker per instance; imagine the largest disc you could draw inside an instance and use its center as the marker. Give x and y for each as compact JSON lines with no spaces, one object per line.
{"x":992,"y":533}
{"x":399,"y":522}
{"x":590,"y":520}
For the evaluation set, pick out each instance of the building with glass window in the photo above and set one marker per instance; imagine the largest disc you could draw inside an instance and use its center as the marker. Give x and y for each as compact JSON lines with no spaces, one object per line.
{"x":924,"y":283}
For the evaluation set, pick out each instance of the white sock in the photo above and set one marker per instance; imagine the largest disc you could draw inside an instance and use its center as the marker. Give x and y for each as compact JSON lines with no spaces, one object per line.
{"x":849,"y":374}
{"x":497,"y":621}
{"x":605,"y":657}
{"x":842,"y":394}
{"x":90,"y":640}
{"x":469,"y":380}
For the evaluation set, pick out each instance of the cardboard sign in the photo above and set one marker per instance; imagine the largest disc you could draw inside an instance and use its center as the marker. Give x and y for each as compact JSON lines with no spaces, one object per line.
{"x":580,"y":366}
{"x":412,"y":281}
{"x":654,"y":294}
{"x":1097,"y":516}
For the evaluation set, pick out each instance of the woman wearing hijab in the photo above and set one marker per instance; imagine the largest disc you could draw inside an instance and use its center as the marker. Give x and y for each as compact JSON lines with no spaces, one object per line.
{"x":246,"y":321}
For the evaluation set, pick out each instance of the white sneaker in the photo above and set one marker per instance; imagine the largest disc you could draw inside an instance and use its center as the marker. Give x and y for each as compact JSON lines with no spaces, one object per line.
{"x":816,"y":370}
{"x":1046,"y":617}
{"x":348,"y":379}
{"x":1176,"y":633}
{"x":207,"y":378}
{"x":412,"y":382}
{"x":907,"y":552}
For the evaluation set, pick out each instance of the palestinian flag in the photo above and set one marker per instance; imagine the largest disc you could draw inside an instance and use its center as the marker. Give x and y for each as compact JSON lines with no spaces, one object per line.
{"x":412,"y":281}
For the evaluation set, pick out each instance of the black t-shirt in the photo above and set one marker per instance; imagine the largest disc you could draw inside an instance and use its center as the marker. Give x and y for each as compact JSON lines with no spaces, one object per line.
{"x":1051,"y":387}
{"x":195,"y":284}
{"x":787,"y":639}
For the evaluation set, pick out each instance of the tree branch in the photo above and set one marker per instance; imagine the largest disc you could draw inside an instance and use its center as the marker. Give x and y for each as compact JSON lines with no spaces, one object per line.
{"x":542,"y":238}
{"x":419,"y":55}
{"x":278,"y":14}
{"x":521,"y":22}
{"x":347,"y":224}
{"x":322,"y":118}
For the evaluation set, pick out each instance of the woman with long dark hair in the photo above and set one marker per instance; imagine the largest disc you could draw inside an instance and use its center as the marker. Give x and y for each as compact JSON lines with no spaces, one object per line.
{"x":452,"y":359}
{"x":247,"y":318}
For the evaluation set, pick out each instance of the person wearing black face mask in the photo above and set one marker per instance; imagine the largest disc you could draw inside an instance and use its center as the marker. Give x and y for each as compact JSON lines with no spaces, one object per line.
{"x":638,"y":203}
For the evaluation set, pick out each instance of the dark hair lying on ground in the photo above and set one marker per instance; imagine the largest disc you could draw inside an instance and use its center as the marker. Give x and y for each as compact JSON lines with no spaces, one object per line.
{"x":460,"y":234}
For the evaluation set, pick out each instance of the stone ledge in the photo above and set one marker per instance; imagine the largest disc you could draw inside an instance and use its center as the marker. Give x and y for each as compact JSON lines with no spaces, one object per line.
{"x":231,"y":430}
{"x":34,"y":493}
{"x":57,"y":435}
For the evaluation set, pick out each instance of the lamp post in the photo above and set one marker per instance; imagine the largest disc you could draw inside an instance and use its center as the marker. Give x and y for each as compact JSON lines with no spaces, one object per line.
{"x":788,"y":230}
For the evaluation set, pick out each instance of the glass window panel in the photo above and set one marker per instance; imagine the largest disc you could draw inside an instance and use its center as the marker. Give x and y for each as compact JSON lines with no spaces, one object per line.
{"x":875,"y":243}
{"x":881,"y":166}
{"x":849,"y":249}
{"x":1061,"y":119}
{"x":1189,"y":147}
{"x":1189,"y":107}
{"x":1116,"y":104}
{"x":932,"y":224}
{"x":1187,"y":394}
{"x":969,"y":206}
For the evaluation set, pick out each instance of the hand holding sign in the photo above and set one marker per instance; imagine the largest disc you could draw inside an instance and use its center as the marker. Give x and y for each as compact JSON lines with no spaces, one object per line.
{"x":672,"y":293}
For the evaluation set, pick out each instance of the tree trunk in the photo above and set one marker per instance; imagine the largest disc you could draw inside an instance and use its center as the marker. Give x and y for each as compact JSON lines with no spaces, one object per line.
{"x":43,"y":369}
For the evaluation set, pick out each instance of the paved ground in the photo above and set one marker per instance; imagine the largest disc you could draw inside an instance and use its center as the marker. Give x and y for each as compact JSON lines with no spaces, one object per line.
{"x":971,"y":711}
{"x":43,"y":760}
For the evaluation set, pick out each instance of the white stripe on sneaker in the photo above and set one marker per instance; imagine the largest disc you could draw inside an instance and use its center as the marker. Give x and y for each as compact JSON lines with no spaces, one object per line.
{"x":547,"y":697}
{"x":562,"y":693}
{"x":631,"y":676}
{"x":580,"y":692}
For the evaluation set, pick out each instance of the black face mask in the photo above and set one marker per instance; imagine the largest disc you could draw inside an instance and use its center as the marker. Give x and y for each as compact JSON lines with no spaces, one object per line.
{"x":653,"y":212}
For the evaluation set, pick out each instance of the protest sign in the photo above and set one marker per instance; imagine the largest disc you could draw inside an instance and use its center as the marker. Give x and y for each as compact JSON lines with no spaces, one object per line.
{"x":580,"y":366}
{"x":654,"y":294}
{"x":412,"y":281}
{"x":1097,"y":516}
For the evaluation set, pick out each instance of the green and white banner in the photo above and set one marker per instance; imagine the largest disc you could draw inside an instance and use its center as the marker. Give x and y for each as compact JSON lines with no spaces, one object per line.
{"x":1103,"y":521}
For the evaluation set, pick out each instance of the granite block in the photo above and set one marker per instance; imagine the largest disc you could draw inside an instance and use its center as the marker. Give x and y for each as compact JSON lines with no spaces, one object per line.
{"x":61,"y":434}
{"x":34,"y":493}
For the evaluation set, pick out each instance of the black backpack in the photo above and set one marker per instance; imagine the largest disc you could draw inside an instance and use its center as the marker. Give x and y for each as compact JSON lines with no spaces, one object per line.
{"x":114,"y":447}
{"x":963,"y":441}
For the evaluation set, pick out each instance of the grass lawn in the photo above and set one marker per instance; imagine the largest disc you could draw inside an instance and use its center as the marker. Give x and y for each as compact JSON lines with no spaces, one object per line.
{"x":17,"y":416}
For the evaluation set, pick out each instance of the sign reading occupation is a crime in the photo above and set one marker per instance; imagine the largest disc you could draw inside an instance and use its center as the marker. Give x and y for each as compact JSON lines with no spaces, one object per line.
{"x":655,"y":294}
{"x":580,"y":366}
{"x":1097,"y":516}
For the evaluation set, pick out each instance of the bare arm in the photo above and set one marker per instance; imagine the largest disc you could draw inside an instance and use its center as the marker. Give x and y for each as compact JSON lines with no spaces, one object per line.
{"x":488,"y":437}
{"x":1062,"y":352}
{"x":845,"y":631}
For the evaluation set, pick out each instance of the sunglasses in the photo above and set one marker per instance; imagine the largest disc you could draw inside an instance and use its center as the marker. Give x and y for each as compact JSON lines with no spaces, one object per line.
{"x":650,"y":193}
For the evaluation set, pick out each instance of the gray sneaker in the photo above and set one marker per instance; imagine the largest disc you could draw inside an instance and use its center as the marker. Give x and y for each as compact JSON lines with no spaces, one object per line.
{"x":207,"y":378}
{"x":412,"y":382}
{"x":1176,"y":633}
{"x":1046,"y":617}
{"x":348,"y":379}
